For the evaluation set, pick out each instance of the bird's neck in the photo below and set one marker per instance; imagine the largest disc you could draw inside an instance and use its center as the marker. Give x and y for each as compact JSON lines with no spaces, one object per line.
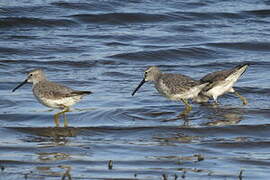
{"x":39,"y":81}
{"x":157,"y":76}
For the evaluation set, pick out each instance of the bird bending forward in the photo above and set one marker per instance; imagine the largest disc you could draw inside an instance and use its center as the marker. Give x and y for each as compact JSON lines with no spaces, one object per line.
{"x":221,"y":82}
{"x":175,"y":87}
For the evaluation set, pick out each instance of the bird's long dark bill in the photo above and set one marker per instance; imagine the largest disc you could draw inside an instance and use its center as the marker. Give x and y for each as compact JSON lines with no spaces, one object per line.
{"x":20,"y":85}
{"x":141,"y":83}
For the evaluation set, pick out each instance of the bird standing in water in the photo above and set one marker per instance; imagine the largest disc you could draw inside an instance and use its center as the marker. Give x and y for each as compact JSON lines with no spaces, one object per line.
{"x":52,"y":94}
{"x":221,"y":82}
{"x":175,"y":87}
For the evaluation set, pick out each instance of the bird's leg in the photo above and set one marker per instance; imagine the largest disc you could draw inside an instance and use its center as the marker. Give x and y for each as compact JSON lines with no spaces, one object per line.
{"x":215,"y":103}
{"x":187,"y":109}
{"x":65,"y":117}
{"x":56,"y":119}
{"x":242,"y":98}
{"x":65,"y":120}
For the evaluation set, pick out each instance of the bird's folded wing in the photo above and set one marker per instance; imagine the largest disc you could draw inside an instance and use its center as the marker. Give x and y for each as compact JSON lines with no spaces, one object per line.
{"x":216,"y":76}
{"x":178,"y":83}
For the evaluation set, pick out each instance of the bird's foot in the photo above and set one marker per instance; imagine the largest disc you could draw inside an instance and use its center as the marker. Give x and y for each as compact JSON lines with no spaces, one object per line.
{"x":56,"y":120}
{"x":215,"y":104}
{"x":244,"y":100}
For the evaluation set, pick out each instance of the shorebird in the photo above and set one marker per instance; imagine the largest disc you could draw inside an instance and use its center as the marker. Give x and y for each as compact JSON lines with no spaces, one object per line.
{"x":221,"y":82}
{"x":175,"y":87}
{"x":51,"y":94}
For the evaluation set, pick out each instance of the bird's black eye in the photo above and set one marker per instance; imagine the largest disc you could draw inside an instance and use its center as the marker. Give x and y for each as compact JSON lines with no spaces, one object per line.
{"x":31,"y":75}
{"x":145,"y":72}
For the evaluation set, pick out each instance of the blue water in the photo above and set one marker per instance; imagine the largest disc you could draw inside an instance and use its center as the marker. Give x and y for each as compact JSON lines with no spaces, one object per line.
{"x":104,"y":46}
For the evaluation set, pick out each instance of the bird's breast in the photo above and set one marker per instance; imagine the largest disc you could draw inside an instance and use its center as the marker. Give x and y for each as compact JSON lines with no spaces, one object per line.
{"x":163,"y":89}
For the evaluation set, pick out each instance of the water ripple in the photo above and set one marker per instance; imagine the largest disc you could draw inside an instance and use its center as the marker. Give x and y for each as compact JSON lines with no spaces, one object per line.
{"x":15,"y":22}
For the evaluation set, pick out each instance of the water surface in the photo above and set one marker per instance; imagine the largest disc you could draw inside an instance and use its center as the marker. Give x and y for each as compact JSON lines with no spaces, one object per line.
{"x":104,"y":46}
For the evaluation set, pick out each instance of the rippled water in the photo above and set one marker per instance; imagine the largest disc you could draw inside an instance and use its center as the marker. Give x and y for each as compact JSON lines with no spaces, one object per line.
{"x":104,"y":46}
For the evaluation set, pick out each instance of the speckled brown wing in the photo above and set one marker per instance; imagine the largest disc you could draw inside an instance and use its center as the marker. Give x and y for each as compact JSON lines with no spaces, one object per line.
{"x":178,"y":83}
{"x":51,"y":90}
{"x":221,"y":75}
{"x":216,"y":76}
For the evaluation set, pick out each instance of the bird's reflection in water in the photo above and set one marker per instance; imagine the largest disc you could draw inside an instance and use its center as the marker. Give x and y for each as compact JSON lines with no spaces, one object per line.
{"x":217,"y":114}
{"x":58,"y":136}
{"x":49,"y":136}
{"x":51,"y":144}
{"x":185,"y":120}
{"x":224,"y":115}
{"x":62,"y":171}
{"x":54,"y":156}
{"x":56,"y":133}
{"x":177,"y":138}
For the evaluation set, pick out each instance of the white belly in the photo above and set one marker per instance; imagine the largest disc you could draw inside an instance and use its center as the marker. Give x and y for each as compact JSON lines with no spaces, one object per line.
{"x":190,"y":94}
{"x":220,"y":89}
{"x":226,"y":85}
{"x":59,"y":103}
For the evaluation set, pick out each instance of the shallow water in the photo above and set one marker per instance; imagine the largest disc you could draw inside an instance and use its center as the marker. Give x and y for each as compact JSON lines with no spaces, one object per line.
{"x":104,"y":46}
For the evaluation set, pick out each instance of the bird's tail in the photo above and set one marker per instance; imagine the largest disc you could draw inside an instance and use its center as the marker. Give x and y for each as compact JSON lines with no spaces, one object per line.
{"x":83,"y":93}
{"x":238,"y":71}
{"x":242,"y":67}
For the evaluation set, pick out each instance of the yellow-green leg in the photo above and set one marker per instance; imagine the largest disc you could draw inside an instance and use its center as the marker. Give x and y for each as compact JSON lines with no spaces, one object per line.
{"x":66,"y":109}
{"x":65,"y":117}
{"x":56,"y":117}
{"x":187,"y":109}
{"x":242,"y":98}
